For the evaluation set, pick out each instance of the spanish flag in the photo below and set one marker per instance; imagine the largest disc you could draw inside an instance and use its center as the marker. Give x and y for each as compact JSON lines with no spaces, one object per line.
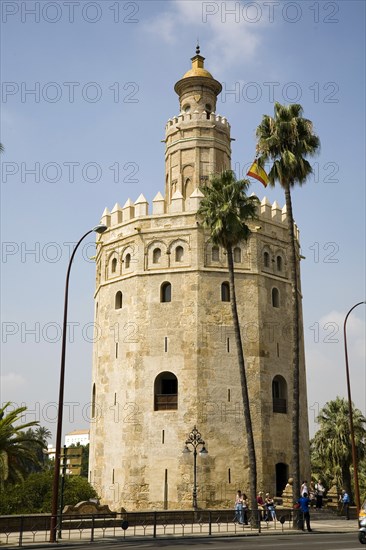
{"x":257,"y":172}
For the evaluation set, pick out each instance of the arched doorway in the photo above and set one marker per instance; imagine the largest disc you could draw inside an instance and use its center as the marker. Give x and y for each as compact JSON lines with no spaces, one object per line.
{"x":281,"y":477}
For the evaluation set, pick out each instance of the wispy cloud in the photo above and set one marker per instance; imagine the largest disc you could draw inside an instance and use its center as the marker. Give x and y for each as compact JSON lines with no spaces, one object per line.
{"x":224,"y":38}
{"x":163,"y":26}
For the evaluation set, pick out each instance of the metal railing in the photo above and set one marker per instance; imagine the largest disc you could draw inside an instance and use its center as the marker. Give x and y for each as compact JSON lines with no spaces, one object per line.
{"x":25,"y":530}
{"x":279,"y":405}
{"x":165,"y":401}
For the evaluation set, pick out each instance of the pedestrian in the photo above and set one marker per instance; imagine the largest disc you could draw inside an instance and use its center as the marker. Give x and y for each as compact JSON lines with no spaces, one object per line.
{"x":270,"y":505}
{"x":304,"y":502}
{"x":312,"y":493}
{"x":239,"y":502}
{"x":304,"y":488}
{"x":245,"y":509}
{"x":345,"y":501}
{"x":261,"y":505}
{"x":319,"y":493}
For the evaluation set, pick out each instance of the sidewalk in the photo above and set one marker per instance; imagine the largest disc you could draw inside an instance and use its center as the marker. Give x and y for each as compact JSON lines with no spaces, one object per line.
{"x":340,"y":525}
{"x":72,"y":538}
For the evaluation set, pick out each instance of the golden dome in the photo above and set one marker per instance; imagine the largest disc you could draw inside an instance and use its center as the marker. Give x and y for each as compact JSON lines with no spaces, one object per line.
{"x":197,"y":71}
{"x":198,"y":68}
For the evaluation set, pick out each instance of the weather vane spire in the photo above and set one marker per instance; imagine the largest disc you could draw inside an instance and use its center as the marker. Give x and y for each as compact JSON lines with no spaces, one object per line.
{"x":198,"y":46}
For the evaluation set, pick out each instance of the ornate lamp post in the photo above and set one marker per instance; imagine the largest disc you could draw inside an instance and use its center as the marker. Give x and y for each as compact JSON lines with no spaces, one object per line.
{"x":354,"y":453}
{"x":195,"y":440}
{"x":56,"y":476}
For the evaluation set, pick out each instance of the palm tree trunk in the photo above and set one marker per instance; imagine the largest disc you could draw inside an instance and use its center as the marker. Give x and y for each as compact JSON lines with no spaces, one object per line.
{"x":295,"y":348}
{"x":244,"y":390}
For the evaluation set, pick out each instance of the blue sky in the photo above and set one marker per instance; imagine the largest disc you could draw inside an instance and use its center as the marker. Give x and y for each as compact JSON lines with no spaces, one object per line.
{"x":103,"y":74}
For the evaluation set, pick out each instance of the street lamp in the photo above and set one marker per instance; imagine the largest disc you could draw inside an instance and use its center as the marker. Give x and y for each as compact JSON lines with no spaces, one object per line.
{"x":56,"y":476}
{"x":195,"y":440}
{"x":354,"y":454}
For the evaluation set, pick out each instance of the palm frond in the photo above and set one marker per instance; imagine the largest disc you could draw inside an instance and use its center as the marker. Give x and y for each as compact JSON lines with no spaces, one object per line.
{"x":287,"y":139}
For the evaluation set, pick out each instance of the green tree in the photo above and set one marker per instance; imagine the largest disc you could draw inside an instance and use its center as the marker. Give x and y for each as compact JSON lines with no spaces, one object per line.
{"x":85,"y":461}
{"x":362,"y":478}
{"x":34,"y":494}
{"x":225,"y":211}
{"x":16,"y":446}
{"x":38,"y":442}
{"x":331,"y":446}
{"x":77,"y":488}
{"x":286,"y":139}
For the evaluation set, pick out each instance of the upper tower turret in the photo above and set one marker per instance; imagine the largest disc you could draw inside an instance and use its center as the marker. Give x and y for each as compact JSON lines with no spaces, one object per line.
{"x":197,"y":140}
{"x":198,"y":89}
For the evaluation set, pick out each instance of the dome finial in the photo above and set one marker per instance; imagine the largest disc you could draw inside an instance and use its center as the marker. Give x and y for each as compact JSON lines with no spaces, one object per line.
{"x":198,"y":47}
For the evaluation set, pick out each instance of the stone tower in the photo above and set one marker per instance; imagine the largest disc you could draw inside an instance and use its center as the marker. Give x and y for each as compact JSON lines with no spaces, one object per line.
{"x":164,"y":357}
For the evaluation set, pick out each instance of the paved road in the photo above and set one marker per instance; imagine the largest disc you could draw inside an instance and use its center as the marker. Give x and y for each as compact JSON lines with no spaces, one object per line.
{"x":317,"y":541}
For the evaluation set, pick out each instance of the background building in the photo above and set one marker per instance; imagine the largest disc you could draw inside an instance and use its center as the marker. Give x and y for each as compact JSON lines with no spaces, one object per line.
{"x":77,"y":437}
{"x":164,"y":353}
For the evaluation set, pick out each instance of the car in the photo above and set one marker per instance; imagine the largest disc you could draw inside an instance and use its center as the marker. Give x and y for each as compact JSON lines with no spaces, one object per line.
{"x":362,"y":524}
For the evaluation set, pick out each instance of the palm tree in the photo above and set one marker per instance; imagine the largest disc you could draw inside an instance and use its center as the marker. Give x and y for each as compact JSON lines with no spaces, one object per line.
{"x":15,"y":445}
{"x":225,"y":209}
{"x":38,"y":442}
{"x":287,"y":139}
{"x":331,"y":448}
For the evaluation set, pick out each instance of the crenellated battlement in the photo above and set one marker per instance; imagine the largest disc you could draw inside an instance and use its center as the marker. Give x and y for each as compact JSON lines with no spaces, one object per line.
{"x":197,"y":116}
{"x":140,"y":210}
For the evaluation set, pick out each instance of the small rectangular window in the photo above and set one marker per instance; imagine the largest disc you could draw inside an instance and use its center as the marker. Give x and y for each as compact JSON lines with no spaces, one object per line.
{"x":229,"y":475}
{"x":228,"y":395}
{"x":163,"y":436}
{"x":116,"y":350}
{"x":166,"y":344}
{"x":166,"y":490}
{"x":228,"y":345}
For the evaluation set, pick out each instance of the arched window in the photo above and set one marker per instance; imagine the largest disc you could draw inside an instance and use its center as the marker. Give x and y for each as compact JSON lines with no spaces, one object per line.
{"x":275,"y":297}
{"x":208,"y":110}
{"x":179,"y":253}
{"x":156,"y":255}
{"x":127,"y":260}
{"x":279,"y":263}
{"x":114,"y":265}
{"x":279,"y":394}
{"x":225,"y":292}
{"x":215,"y":254}
{"x":237,"y":255}
{"x":165,"y":392}
{"x":166,"y":292}
{"x":266,"y":259}
{"x":118,"y":300}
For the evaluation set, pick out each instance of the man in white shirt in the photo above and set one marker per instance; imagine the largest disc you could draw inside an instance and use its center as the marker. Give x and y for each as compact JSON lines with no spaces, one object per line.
{"x":319,"y":493}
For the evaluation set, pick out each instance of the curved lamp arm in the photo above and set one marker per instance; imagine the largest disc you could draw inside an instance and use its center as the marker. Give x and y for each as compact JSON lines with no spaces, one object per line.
{"x":352,"y":433}
{"x":56,"y":477}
